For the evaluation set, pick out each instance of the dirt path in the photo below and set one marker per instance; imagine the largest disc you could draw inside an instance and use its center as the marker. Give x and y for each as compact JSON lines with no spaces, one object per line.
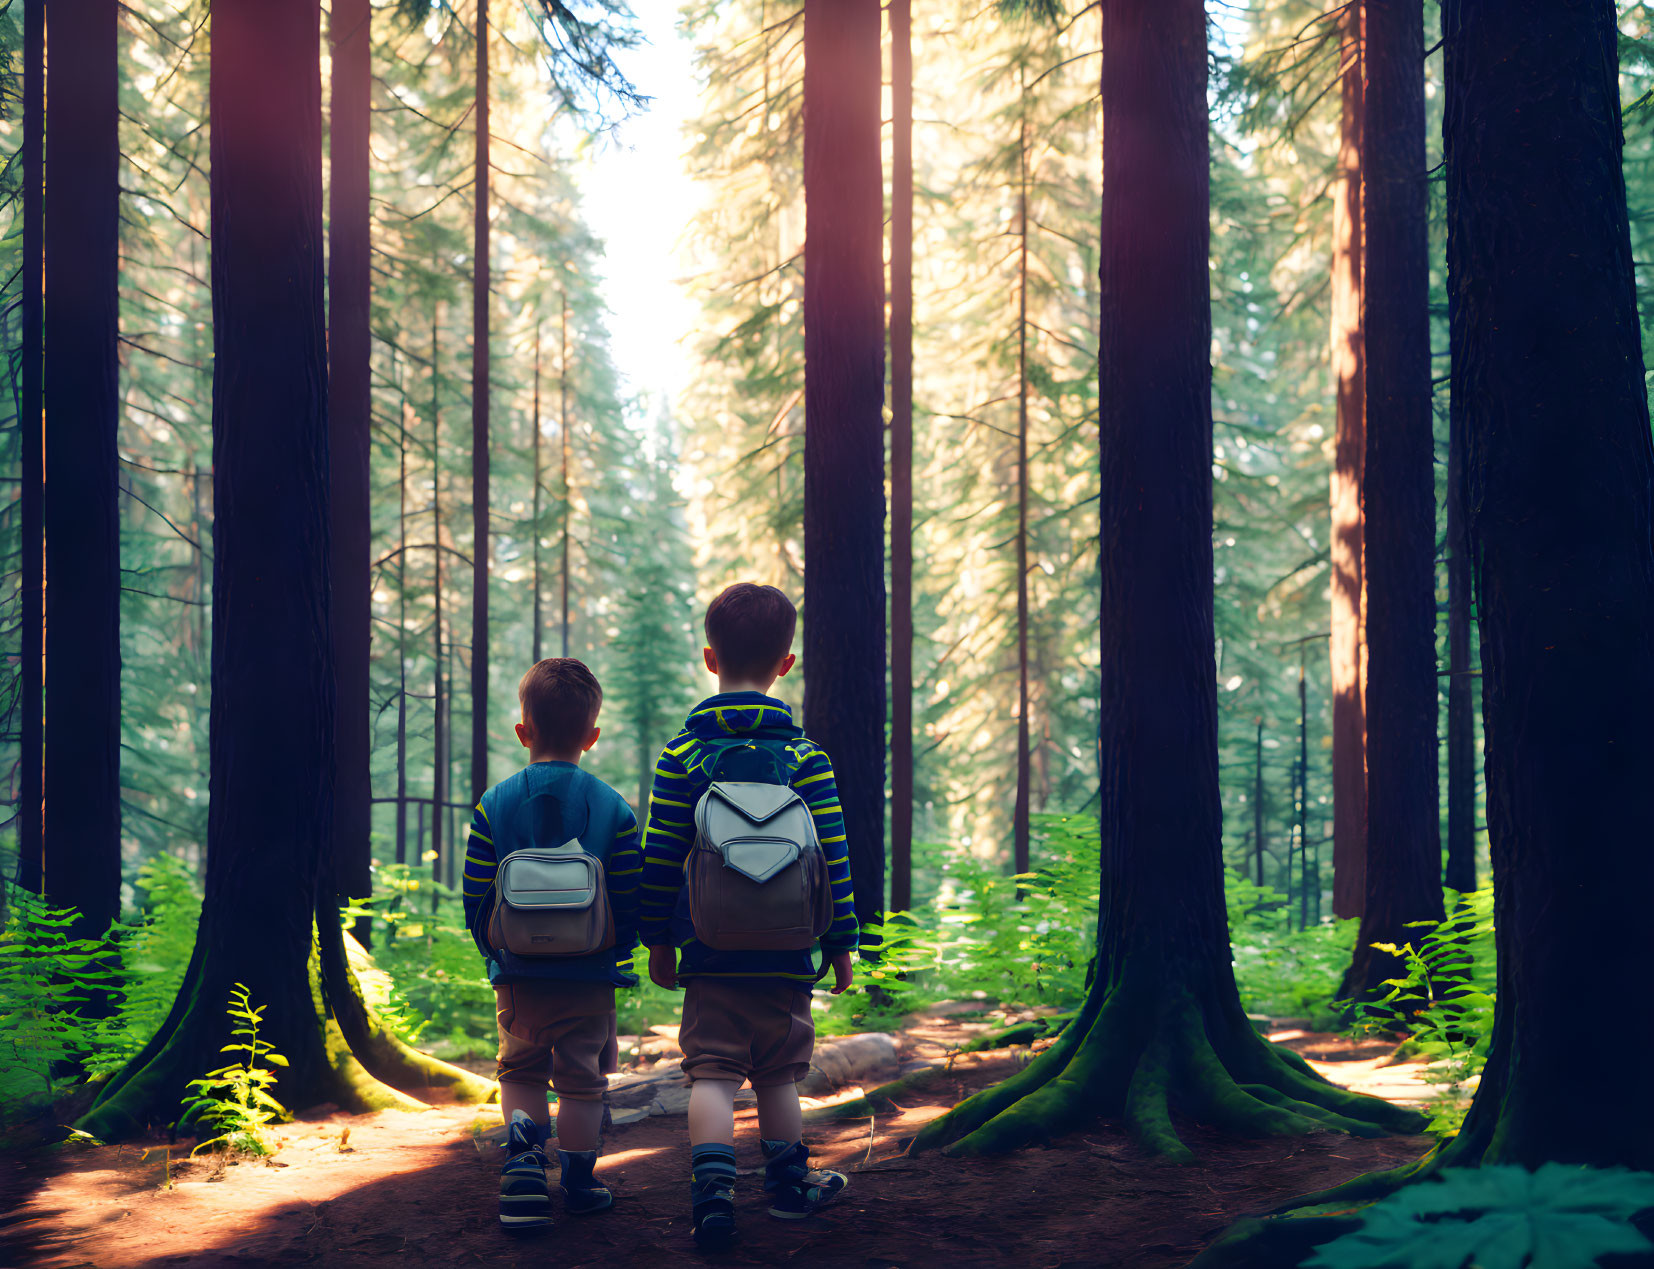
{"x":418,"y":1189}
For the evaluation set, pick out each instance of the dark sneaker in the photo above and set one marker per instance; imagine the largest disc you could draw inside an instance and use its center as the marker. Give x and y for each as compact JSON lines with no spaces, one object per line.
{"x":797,"y":1190}
{"x":583,"y":1193}
{"x":525,"y":1198}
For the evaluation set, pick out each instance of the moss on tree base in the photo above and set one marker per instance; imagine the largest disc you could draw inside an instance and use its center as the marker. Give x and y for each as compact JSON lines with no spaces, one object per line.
{"x":1137,"y":1053}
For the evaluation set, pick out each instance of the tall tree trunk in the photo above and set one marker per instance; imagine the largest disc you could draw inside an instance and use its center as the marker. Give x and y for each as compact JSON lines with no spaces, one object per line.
{"x":82,"y":514}
{"x":539,"y":483}
{"x":1347,"y":651}
{"x":901,"y":457}
{"x":1019,"y":818}
{"x":272,"y":738}
{"x":1162,"y":1026}
{"x":1461,"y":700}
{"x":401,"y":619}
{"x":844,"y":595}
{"x":479,"y":428}
{"x":1403,"y":872}
{"x":350,"y":408}
{"x":563,"y":436}
{"x":1548,"y":364}
{"x":439,"y":731}
{"x":1258,"y":822}
{"x":31,"y":873}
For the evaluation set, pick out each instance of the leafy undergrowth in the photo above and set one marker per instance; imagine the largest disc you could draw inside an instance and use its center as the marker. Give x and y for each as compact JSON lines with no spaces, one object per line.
{"x":1558,"y":1217}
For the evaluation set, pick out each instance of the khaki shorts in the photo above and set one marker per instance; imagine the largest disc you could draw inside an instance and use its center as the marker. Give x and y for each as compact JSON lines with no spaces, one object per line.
{"x":559,"y":1032}
{"x":746,"y":1029}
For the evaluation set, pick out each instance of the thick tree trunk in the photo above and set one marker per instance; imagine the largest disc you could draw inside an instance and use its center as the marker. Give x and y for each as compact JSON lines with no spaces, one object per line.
{"x":844,"y":595}
{"x":1162,"y":1027}
{"x":350,"y":406}
{"x":82,"y":515}
{"x":479,"y":428}
{"x":1461,"y":699}
{"x":1559,"y":494}
{"x":270,"y":813}
{"x":1403,"y":872}
{"x":901,"y":457}
{"x":1559,"y":477}
{"x":31,"y":874}
{"x":1346,"y":651}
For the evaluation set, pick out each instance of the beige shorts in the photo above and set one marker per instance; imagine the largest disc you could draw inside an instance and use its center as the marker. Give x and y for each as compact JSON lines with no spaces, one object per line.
{"x":558,"y":1032}
{"x":746,"y":1029}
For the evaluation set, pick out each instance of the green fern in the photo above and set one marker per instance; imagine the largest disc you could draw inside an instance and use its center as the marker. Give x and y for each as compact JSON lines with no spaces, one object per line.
{"x":46,"y":976}
{"x":234,"y":1102}
{"x":1559,"y":1217}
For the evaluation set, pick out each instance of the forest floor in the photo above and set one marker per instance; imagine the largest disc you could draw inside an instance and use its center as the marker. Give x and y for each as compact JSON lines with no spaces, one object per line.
{"x":418,"y":1188}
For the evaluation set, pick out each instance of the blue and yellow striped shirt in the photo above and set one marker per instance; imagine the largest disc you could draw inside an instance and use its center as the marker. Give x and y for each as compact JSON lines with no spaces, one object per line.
{"x":584,"y":807}
{"x":680,"y":780}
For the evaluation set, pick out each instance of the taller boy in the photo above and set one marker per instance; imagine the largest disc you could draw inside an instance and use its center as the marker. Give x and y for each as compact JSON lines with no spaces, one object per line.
{"x":746,"y":1014}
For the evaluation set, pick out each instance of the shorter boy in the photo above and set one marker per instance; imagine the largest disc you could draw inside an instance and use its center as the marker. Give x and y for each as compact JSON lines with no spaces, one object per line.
{"x":746,"y":1014}
{"x":556,"y":1014}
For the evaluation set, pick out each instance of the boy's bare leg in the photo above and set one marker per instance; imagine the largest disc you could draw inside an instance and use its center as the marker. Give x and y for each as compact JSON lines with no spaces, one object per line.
{"x":712,"y":1112}
{"x":528,"y":1098}
{"x":578,"y":1123}
{"x":780,"y":1118}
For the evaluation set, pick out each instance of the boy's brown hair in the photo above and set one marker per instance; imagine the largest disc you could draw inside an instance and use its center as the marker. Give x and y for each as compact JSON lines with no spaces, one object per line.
{"x":750,"y":628}
{"x":560,"y":697}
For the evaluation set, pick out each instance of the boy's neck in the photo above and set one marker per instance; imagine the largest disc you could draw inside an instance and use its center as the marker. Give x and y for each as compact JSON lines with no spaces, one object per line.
{"x":727,"y":687}
{"x":573,"y":759}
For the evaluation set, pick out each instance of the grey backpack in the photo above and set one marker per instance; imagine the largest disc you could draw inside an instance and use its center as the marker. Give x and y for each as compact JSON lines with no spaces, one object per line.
{"x":756,"y":876}
{"x":552,"y":902}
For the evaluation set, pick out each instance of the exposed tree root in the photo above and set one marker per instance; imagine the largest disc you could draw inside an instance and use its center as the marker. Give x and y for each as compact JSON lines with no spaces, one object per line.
{"x":1018,"y":1033}
{"x":879,"y":1100}
{"x":375,"y":1046}
{"x":1140,"y":1055}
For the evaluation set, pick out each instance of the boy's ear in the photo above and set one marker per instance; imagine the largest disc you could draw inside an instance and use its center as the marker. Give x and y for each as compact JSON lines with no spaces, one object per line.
{"x":591,"y":740}
{"x":711,"y":659}
{"x":787,"y":663}
{"x":525,"y":733}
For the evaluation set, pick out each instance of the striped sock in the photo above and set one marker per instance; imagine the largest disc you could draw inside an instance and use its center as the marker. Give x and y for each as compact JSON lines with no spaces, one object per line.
{"x":712,"y":1188}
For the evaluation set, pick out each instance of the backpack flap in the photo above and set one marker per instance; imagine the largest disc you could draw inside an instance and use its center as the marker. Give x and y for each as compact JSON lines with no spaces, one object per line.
{"x":550,"y":879}
{"x":755,"y":803}
{"x":759,"y":858}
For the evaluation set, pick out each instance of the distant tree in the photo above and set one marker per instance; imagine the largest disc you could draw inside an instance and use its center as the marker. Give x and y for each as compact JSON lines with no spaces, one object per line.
{"x":350,"y":410}
{"x":901,"y":456}
{"x":1162,"y":1025}
{"x":270,"y":919}
{"x":480,"y":367}
{"x":1349,"y":373}
{"x":82,"y":515}
{"x":1402,"y":875}
{"x":844,"y":591}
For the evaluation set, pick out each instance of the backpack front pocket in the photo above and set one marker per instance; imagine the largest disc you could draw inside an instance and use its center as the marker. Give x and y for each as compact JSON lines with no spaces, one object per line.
{"x":552,"y":903}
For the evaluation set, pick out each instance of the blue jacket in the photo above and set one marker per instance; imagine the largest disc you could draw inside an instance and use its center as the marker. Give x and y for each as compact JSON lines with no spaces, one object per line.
{"x":606,"y":827}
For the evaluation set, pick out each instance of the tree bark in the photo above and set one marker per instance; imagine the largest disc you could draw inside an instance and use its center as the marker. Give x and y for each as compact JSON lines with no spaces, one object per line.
{"x":350,"y":407}
{"x":82,"y":514}
{"x":439,"y":730}
{"x":31,"y":870}
{"x":479,"y":428}
{"x":1461,"y":700}
{"x":272,"y":732}
{"x":1019,"y":817}
{"x":844,"y":593}
{"x":1162,"y":1026}
{"x":1548,"y":365}
{"x":901,"y":457}
{"x":1403,"y":871}
{"x":1347,"y":652}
